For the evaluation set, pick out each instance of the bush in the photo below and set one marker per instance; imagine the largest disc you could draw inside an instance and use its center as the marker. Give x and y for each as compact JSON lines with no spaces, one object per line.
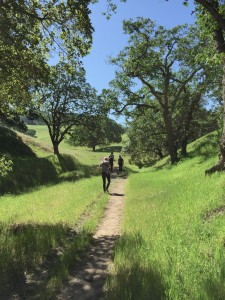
{"x":5,"y":165}
{"x":31,"y":132}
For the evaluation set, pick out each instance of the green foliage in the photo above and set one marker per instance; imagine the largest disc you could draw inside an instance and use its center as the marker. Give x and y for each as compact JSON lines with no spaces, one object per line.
{"x":31,"y":132}
{"x":146,"y":138}
{"x":158,"y":71}
{"x":30,"y":31}
{"x":65,"y":101}
{"x":208,"y":25}
{"x":5,"y":165}
{"x":97,"y":131}
{"x":46,"y":24}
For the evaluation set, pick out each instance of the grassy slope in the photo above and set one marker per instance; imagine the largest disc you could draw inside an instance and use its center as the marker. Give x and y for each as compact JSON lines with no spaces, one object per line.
{"x":173,"y":245}
{"x":35,"y":164}
{"x":83,"y":154}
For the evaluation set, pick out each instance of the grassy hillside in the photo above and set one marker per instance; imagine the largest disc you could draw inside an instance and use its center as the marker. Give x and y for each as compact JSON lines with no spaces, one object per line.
{"x":85,"y":155}
{"x":173,"y":231}
{"x":34,"y":163}
{"x":173,"y":239}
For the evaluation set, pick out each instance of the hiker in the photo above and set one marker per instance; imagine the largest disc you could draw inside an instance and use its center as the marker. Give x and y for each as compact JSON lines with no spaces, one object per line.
{"x":120,"y":163}
{"x":104,"y":165}
{"x":111,"y":160}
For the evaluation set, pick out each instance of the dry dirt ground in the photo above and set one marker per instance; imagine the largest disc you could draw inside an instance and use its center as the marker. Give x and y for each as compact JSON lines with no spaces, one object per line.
{"x":88,"y":277}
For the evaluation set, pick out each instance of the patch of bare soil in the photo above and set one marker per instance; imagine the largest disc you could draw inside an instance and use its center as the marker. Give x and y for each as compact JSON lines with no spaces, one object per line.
{"x":218,"y":211}
{"x":89,"y":274}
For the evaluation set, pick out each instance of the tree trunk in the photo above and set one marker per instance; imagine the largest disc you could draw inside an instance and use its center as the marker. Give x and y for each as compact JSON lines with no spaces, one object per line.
{"x":56,"y":148}
{"x":172,"y":147}
{"x":222,"y":142}
{"x":93,"y":148}
{"x":220,"y":165}
{"x":184,"y":143}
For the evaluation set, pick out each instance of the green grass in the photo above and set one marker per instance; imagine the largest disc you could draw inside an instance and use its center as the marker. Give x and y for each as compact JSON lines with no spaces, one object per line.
{"x":83,"y":154}
{"x":37,"y":225}
{"x":172,"y":245}
{"x":35,"y":165}
{"x":39,"y":233}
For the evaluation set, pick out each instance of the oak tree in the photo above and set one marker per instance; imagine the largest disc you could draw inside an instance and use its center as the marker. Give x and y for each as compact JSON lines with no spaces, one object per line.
{"x":65,"y":102}
{"x":156,"y":67}
{"x":98,"y":130}
{"x":211,"y":18}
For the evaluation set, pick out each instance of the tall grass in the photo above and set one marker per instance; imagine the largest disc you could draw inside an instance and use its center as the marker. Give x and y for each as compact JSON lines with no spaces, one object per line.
{"x":172,"y":245}
{"x":38,"y":233}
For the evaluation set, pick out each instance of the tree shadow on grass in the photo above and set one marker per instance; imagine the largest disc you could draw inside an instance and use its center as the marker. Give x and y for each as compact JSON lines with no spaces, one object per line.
{"x":32,"y":172}
{"x":32,"y":256}
{"x":28,"y":173}
{"x":127,"y":170}
{"x":12,"y":144}
{"x":67,"y":163}
{"x":205,"y":148}
{"x":132,"y":279}
{"x":215,"y":287}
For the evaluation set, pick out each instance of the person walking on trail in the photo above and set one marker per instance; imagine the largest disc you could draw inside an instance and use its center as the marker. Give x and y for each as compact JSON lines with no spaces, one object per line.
{"x":105,"y":166}
{"x":111,"y":160}
{"x":120,"y":163}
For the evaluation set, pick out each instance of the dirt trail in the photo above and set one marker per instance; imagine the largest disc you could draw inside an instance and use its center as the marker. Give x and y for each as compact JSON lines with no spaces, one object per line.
{"x":88,"y":278}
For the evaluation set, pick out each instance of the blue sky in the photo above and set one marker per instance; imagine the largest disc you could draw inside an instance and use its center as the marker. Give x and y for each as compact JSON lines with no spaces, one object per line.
{"x":109,"y":39}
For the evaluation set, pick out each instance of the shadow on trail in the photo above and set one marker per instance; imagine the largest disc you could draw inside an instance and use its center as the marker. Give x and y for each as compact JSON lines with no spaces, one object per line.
{"x":34,"y":255}
{"x":116,"y":194}
{"x":89,"y":275}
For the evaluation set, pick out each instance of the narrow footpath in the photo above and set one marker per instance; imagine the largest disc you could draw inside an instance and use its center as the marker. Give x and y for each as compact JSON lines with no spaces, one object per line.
{"x":87,"y":280}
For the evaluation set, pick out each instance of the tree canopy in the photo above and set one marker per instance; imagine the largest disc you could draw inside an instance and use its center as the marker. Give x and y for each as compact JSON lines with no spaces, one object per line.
{"x":29,"y":32}
{"x":98,"y":130}
{"x":65,"y":101}
{"x":211,"y":18}
{"x":158,"y":71}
